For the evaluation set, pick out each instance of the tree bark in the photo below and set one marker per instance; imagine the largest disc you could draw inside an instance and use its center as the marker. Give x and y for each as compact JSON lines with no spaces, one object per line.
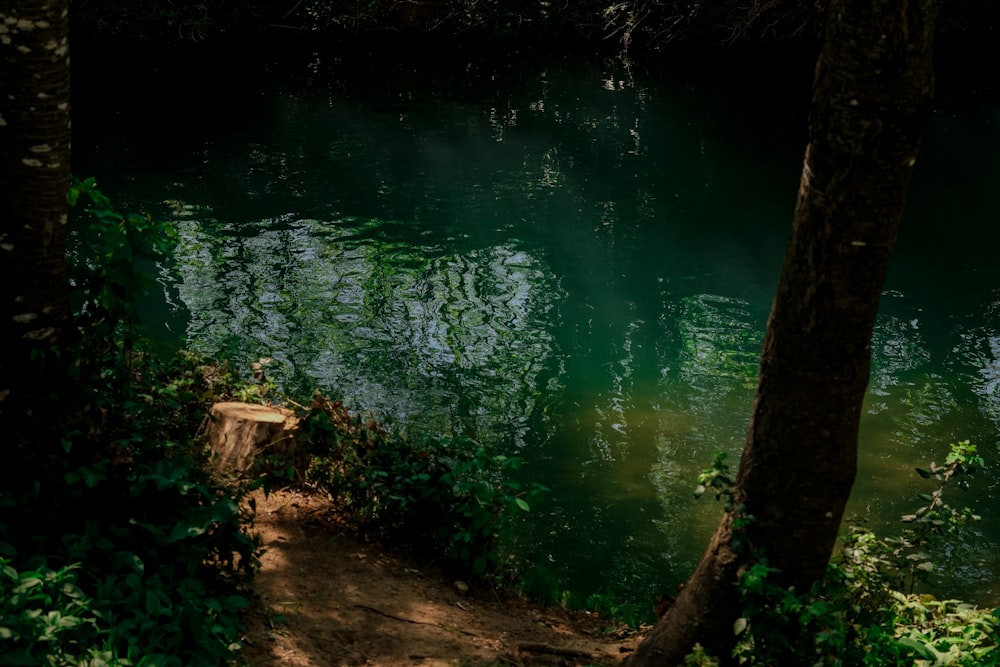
{"x":240,"y":432}
{"x":871,"y":102}
{"x":34,"y":181}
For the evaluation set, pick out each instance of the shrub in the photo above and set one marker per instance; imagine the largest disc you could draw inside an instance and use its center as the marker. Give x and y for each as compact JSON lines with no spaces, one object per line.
{"x":865,"y":611}
{"x":118,"y":545}
{"x":453,"y":496}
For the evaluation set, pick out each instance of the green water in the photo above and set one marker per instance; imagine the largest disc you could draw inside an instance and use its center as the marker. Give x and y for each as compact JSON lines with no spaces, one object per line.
{"x":570,"y":260}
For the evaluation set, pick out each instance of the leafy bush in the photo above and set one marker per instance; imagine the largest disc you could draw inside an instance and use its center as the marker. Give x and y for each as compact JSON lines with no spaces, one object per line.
{"x":45,"y":619}
{"x":865,"y":611}
{"x":119,"y":547}
{"x":452,"y":495}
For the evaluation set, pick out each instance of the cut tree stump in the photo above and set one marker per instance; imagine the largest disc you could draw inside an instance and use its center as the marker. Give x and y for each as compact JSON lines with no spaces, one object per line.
{"x":241,"y":433}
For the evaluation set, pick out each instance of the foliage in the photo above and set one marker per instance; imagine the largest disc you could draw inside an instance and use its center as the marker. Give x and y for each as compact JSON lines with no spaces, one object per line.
{"x":859,"y":614}
{"x":632,"y":26}
{"x":609,"y":606}
{"x":655,"y":23}
{"x":903,"y":561}
{"x":829,"y":626}
{"x":118,"y":545}
{"x":540,"y":584}
{"x":165,"y":21}
{"x":623,"y":23}
{"x":44,"y":616}
{"x":699,"y":658}
{"x":453,"y":495}
{"x":109,"y":248}
{"x":717,"y":478}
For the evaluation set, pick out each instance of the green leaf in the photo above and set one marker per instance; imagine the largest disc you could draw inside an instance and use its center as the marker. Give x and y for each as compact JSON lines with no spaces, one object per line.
{"x":236,"y":602}
{"x":522,"y":504}
{"x":917,"y":647}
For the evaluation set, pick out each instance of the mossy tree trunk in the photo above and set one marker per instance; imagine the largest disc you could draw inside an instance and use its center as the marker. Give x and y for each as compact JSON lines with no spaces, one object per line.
{"x":871,"y":102}
{"x":34,"y":181}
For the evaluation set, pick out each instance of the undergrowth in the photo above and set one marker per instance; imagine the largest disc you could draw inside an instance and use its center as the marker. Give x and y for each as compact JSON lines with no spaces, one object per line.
{"x":868,"y":610}
{"x":453,"y":498}
{"x":118,"y":547}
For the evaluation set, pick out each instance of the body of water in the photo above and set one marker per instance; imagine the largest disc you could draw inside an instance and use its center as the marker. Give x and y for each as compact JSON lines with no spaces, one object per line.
{"x":562,"y":257}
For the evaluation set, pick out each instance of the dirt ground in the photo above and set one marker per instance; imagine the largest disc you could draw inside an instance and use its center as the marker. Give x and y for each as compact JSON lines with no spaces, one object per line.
{"x":328,"y":600}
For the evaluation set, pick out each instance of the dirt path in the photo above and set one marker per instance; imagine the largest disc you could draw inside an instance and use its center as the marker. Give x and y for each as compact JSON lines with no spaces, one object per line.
{"x":331,"y":601}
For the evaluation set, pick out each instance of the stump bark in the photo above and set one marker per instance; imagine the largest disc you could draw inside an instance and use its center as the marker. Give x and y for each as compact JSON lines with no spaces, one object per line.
{"x":241,"y":434}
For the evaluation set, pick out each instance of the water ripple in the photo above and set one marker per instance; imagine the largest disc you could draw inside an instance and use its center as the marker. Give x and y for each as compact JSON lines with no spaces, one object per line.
{"x":457,"y":338}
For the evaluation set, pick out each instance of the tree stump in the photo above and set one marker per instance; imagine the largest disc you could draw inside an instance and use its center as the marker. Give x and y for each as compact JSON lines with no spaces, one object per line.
{"x":241,"y":433}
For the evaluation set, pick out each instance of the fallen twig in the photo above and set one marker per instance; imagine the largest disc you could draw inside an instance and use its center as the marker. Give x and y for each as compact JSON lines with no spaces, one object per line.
{"x":532,"y":647}
{"x":392,"y":616}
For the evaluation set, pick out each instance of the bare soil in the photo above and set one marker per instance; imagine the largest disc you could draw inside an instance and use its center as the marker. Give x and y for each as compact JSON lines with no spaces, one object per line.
{"x":327,"y":599}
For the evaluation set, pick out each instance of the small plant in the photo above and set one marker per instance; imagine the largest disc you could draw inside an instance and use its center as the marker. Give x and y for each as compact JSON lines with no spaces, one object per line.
{"x":698,"y":658}
{"x":44,"y":616}
{"x":782,"y":626}
{"x":609,"y":606}
{"x":718,"y":479}
{"x":903,"y":561}
{"x":540,"y":584}
{"x":936,"y":519}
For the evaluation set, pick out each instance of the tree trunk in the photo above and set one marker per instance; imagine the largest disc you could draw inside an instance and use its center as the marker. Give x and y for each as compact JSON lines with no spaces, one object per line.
{"x":871,"y":102}
{"x":34,"y":181}
{"x":240,"y":433}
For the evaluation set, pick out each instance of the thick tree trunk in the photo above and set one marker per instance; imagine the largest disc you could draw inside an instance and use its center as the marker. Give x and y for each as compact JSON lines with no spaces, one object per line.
{"x":240,"y":433}
{"x":34,"y":181}
{"x":871,"y":100}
